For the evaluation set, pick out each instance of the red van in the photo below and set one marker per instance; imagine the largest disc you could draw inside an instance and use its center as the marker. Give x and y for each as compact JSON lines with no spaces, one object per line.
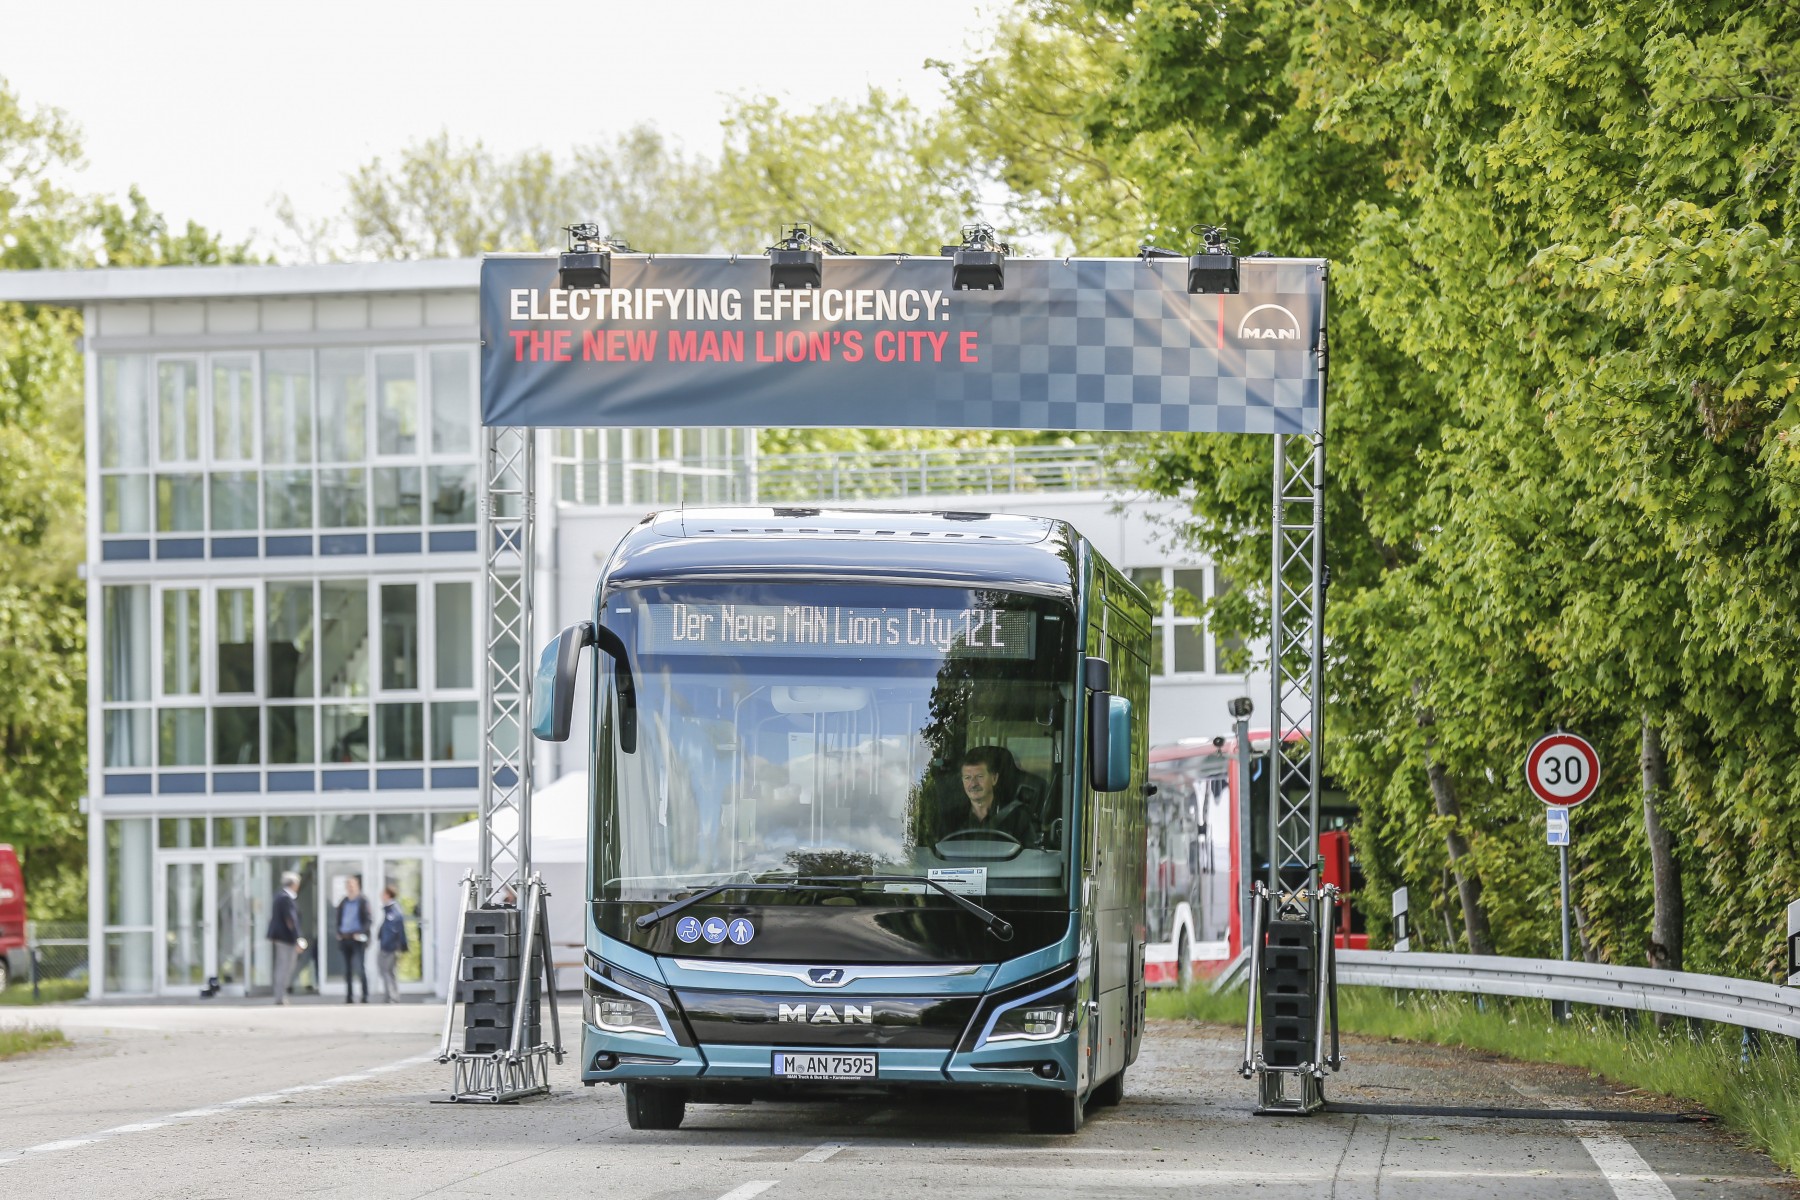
{"x":12,"y":918}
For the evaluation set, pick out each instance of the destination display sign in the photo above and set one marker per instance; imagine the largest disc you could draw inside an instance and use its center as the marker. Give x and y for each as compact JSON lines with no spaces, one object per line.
{"x":887,"y":340}
{"x":836,"y":630}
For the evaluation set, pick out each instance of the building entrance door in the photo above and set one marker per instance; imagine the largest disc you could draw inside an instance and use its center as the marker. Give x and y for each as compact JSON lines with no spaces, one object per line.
{"x":186,"y":958}
{"x":234,"y":929}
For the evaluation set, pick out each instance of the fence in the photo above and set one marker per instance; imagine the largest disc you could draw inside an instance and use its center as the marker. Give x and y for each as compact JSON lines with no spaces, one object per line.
{"x":59,"y":958}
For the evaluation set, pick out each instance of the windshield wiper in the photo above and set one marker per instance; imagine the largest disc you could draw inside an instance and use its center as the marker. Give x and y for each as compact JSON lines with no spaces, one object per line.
{"x":996,"y":925}
{"x":669,"y":910}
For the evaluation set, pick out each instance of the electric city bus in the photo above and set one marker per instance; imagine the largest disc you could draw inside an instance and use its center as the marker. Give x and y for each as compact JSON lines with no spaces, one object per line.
{"x":868,"y":804}
{"x":1196,"y":859}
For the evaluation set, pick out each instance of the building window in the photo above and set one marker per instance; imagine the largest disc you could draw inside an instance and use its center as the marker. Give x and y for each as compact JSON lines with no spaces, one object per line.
{"x":343,"y":406}
{"x":181,"y":642}
{"x":125,"y":674}
{"x":1179,"y":644}
{"x":129,"y":928}
{"x":452,"y":402}
{"x":233,"y":409}
{"x":346,"y":829}
{"x":178,"y":410}
{"x":396,"y":404}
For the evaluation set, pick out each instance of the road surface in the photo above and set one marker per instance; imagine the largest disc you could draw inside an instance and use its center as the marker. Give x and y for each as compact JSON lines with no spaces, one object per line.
{"x":331,"y":1100}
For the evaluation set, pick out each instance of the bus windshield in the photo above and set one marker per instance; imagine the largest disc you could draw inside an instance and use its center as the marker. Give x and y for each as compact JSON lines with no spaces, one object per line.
{"x":797,"y":731}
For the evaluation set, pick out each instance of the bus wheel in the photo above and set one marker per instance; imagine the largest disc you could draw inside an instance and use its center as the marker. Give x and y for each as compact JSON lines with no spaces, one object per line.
{"x":648,"y":1106}
{"x":1184,"y":962}
{"x":1053,"y":1112}
{"x":1109,"y":1093}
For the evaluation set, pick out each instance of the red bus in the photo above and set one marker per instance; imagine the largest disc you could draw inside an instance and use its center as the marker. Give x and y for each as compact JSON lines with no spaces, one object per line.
{"x":1196,"y":864}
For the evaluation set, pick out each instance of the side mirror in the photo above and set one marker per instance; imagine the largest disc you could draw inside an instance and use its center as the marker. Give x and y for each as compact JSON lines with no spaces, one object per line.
{"x":553,"y":687}
{"x":1109,"y":732}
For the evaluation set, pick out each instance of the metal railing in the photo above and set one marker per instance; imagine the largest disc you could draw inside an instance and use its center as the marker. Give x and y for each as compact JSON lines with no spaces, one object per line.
{"x":1743,"y":1002}
{"x":839,"y":476}
{"x":986,"y":470}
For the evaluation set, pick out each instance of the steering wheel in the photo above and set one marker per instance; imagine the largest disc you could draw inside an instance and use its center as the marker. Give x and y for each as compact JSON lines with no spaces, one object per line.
{"x":994,"y":835}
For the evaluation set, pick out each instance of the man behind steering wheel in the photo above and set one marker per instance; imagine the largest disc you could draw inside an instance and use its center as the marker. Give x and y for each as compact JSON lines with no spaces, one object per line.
{"x":983,"y":772}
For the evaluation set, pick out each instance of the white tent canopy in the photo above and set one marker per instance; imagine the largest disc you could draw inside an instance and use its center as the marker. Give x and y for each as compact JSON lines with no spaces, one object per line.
{"x":559,"y":822}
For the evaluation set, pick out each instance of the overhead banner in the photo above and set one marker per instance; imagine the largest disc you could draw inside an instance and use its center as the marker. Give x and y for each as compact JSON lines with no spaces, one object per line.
{"x":1104,"y":344}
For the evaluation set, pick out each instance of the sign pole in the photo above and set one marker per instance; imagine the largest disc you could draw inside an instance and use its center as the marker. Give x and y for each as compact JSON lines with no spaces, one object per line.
{"x":1562,"y":770}
{"x":1562,"y":852}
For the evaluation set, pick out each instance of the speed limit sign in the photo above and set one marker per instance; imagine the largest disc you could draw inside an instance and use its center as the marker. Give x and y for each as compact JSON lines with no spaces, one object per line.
{"x":1562,"y":769}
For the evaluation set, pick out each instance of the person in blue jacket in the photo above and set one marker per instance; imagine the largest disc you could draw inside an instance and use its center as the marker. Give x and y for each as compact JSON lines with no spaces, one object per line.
{"x":354,"y":925}
{"x":393,"y":943}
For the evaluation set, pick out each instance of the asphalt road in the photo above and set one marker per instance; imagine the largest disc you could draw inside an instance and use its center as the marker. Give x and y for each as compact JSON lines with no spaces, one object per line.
{"x":329,"y":1100}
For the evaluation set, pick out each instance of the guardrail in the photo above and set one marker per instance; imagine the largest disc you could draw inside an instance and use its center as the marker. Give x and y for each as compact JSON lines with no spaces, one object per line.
{"x":1743,"y":1002}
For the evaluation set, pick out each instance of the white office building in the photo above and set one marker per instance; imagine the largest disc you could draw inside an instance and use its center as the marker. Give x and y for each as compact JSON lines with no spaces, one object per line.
{"x":284,"y":583}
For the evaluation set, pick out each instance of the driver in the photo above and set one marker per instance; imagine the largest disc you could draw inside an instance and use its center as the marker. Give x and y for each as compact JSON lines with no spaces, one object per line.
{"x":982,"y":769}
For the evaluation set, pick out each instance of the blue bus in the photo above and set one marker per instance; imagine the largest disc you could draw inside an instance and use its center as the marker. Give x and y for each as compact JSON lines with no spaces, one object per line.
{"x":867,"y":810}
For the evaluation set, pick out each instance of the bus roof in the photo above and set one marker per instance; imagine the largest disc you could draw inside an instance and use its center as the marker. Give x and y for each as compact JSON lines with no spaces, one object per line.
{"x":1018,"y":553}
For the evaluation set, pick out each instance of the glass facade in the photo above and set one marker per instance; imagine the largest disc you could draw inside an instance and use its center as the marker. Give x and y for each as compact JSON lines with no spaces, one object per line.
{"x":278,"y":441}
{"x":260,"y":659}
{"x":284,"y":671}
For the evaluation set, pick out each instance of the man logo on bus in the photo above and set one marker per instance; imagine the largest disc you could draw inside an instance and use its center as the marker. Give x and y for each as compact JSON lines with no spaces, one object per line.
{"x":824,"y":1014}
{"x":1269,"y":323}
{"x":826,"y":976}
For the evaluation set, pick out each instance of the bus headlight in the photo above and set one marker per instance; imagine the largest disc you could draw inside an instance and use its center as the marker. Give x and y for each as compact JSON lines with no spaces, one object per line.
{"x":1041,"y":1017}
{"x":614,"y":1009}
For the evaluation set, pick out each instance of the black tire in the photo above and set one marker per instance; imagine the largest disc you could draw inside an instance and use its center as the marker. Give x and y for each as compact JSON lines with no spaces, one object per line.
{"x":5,"y":973}
{"x":1053,"y":1112}
{"x":1108,"y":1094}
{"x":650,"y":1106}
{"x":1184,"y":962}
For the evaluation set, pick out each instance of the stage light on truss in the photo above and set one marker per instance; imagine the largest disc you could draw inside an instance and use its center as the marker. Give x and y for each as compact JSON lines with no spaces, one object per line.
{"x":587,"y":263}
{"x":1213,"y":271}
{"x":979,"y":264}
{"x":797,"y":260}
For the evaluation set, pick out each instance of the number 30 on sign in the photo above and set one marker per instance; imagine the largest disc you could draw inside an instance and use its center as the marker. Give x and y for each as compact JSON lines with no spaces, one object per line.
{"x":1562,"y":769}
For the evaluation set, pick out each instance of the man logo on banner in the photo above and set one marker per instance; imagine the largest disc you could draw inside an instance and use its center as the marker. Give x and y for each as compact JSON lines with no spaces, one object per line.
{"x":1269,"y":323}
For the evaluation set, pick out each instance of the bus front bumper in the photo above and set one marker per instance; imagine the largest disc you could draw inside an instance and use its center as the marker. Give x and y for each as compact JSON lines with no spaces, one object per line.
{"x":621,"y":1058}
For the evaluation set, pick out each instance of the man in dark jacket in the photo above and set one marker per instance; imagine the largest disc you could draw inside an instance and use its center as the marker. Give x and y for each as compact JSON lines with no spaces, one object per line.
{"x":354,"y":924}
{"x":393,"y":944}
{"x":284,"y":933}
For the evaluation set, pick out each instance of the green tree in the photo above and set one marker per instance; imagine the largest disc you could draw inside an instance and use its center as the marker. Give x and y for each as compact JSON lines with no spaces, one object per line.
{"x":44,"y":223}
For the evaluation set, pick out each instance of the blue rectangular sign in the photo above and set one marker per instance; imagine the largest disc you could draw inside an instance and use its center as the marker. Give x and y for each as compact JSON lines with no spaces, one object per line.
{"x":1102,"y":344}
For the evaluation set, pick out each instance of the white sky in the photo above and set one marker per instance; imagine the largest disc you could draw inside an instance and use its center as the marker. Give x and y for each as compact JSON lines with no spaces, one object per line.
{"x":215,"y":109}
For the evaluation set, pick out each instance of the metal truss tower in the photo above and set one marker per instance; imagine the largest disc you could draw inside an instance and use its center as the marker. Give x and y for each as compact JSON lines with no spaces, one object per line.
{"x":508,"y":506}
{"x":1296,"y":660}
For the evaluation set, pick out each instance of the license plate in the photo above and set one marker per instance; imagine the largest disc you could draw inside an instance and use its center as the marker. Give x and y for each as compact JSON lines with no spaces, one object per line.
{"x":824,"y":1066}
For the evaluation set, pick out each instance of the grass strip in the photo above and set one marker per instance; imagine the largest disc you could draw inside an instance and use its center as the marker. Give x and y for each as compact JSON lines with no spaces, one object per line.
{"x":14,"y":1042}
{"x":50,"y":991}
{"x":1693,"y":1062}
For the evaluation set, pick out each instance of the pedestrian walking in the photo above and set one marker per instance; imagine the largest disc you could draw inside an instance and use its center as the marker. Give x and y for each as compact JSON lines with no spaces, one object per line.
{"x":354,"y":921}
{"x":393,"y":944}
{"x":284,"y":933}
